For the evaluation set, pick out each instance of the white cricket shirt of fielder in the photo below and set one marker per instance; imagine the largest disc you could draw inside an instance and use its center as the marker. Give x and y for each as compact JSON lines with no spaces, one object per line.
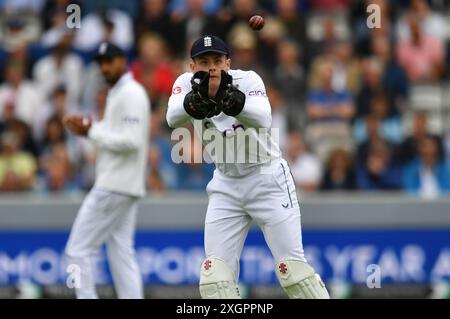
{"x":254,"y":121}
{"x":121,"y":138}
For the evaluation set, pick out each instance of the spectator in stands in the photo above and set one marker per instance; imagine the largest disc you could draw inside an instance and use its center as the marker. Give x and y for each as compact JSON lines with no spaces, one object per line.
{"x":372,"y":85}
{"x":269,"y":41}
{"x":100,"y":102}
{"x":389,"y":127}
{"x":130,"y":8}
{"x":193,"y":175}
{"x":339,"y":172}
{"x":372,"y":129}
{"x":421,"y":55}
{"x":305,"y":167}
{"x":55,"y":19}
{"x":8,"y":115}
{"x":234,"y":13}
{"x":290,"y":78}
{"x":244,"y":49}
{"x":17,"y":168}
{"x":196,"y":19}
{"x":430,"y":22}
{"x":243,"y":10}
{"x":54,"y":9}
{"x":22,"y":131}
{"x":10,"y":123}
{"x":61,"y":67}
{"x":155,"y":17}
{"x":409,"y":148}
{"x":322,"y":42}
{"x":361,"y":34}
{"x":288,"y":12}
{"x":446,"y":149}
{"x":210,"y":6}
{"x":57,"y":106}
{"x":19,"y":94}
{"x":329,"y":5}
{"x":24,"y":6}
{"x":111,"y":25}
{"x":163,"y":171}
{"x":330,"y":113}
{"x":57,"y":174}
{"x":19,"y":54}
{"x":394,"y":79}
{"x":86,"y":150}
{"x":93,"y":82}
{"x":379,"y":170}
{"x":155,"y":182}
{"x":346,"y":68}
{"x":152,"y":68}
{"x":19,"y":26}
{"x":54,"y":134}
{"x":427,"y":175}
{"x":280,"y":119}
{"x":85,"y":166}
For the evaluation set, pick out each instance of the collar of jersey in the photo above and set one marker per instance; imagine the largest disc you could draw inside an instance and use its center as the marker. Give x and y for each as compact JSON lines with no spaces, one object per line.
{"x":124,"y":78}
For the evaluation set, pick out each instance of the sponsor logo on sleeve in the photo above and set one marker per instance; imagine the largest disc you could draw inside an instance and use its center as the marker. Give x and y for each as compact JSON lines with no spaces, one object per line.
{"x":130,"y":120}
{"x":257,"y":93}
{"x":176,"y":90}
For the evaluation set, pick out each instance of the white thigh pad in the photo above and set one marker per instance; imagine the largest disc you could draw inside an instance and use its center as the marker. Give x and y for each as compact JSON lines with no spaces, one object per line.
{"x":299,"y":280}
{"x":217,"y":280}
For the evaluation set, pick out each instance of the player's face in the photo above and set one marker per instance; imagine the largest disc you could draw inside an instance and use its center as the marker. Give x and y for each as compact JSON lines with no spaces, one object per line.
{"x":113,"y":69}
{"x":212,"y":63}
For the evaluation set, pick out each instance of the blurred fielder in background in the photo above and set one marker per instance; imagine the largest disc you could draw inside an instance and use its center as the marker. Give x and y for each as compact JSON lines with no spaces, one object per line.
{"x":233,"y":103}
{"x":108,"y":213}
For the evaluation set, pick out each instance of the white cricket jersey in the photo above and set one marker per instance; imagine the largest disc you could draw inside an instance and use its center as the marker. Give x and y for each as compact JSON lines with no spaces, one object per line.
{"x":122,"y":139}
{"x":240,"y":144}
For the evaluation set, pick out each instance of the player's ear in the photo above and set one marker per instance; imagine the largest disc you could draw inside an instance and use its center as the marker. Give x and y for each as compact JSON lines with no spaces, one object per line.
{"x":123,"y":63}
{"x":192,"y":66}
{"x":228,"y":64}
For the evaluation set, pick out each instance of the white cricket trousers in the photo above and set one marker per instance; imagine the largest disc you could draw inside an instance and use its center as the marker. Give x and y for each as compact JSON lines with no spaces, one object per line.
{"x":106,"y":217}
{"x":268,"y":197}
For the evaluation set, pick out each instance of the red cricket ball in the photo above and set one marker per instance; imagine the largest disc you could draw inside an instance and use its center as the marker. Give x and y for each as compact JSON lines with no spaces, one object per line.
{"x":256,"y":22}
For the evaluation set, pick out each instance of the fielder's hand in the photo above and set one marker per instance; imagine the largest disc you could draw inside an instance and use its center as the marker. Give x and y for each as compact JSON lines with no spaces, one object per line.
{"x":200,"y":83}
{"x":232,"y":100}
{"x":197,"y":103}
{"x":77,"y":124}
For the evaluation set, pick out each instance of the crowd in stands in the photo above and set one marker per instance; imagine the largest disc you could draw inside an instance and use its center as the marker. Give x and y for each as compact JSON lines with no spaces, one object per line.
{"x":358,"y":108}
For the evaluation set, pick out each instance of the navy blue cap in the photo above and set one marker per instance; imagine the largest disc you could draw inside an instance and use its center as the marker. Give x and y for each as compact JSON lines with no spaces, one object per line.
{"x":209,"y":43}
{"x":108,"y":50}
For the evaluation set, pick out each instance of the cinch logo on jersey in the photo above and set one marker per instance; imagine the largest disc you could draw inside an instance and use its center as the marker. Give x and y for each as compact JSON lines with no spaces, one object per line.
{"x":257,"y":93}
{"x":234,"y":144}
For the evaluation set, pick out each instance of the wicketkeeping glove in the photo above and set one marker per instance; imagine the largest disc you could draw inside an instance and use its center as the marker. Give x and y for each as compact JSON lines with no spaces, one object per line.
{"x":197,"y":103}
{"x":232,"y":100}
